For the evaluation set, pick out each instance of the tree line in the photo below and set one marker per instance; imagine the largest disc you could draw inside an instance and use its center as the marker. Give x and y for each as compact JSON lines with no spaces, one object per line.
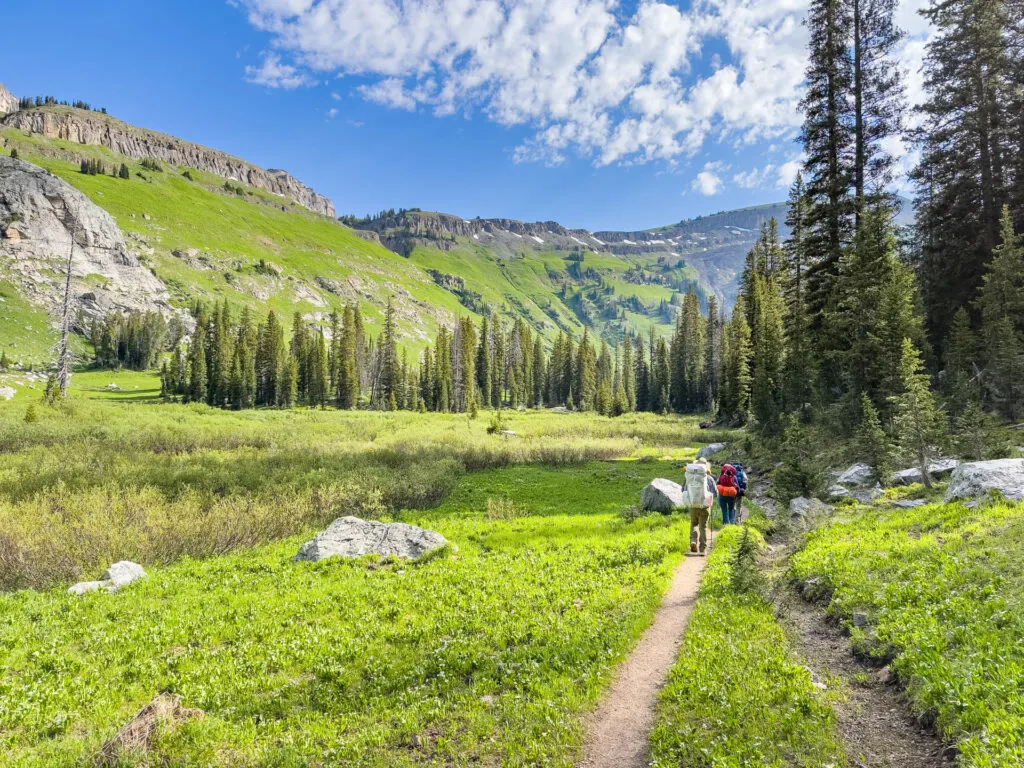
{"x":840,"y":324}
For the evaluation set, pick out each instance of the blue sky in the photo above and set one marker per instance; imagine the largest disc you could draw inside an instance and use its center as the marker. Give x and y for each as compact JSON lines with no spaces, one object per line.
{"x":594,"y":113}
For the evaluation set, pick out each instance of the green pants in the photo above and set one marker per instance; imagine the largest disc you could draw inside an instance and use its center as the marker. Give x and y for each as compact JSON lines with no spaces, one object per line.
{"x":699,"y":520}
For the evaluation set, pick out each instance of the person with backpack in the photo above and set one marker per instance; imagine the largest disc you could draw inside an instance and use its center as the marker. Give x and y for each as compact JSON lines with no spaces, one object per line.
{"x":699,"y":493}
{"x":741,"y":482}
{"x":728,"y":489}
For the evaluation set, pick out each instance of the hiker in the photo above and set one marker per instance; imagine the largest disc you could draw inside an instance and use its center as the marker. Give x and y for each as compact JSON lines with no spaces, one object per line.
{"x":741,"y":482}
{"x":699,"y":492}
{"x":728,"y":489}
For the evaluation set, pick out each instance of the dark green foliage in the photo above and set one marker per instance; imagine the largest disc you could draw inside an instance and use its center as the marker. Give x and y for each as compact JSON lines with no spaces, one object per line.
{"x":123,"y":172}
{"x":802,"y":473}
{"x":133,"y":341}
{"x":872,"y":443}
{"x":149,"y":164}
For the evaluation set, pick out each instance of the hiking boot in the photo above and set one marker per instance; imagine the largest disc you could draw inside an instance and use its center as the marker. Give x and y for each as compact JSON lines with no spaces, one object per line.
{"x":702,"y":551}
{"x":693,"y":547}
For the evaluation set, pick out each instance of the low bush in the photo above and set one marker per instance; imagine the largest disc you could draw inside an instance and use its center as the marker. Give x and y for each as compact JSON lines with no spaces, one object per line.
{"x":736,"y":695}
{"x":943,"y":589}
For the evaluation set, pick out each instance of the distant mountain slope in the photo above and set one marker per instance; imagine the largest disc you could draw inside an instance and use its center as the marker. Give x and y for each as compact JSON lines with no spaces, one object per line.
{"x":209,"y":229}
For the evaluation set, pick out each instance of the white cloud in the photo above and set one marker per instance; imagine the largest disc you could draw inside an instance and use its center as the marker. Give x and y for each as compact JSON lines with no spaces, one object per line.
{"x":332,"y":113}
{"x":336,"y":96}
{"x":583,"y":75}
{"x":708,"y":182}
{"x":274,"y":73}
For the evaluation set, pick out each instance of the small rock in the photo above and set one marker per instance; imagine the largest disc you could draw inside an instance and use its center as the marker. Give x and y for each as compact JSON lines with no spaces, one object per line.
{"x":885,"y":676}
{"x":710,"y":450}
{"x":507,"y":433}
{"x":488,"y":700}
{"x":837,"y":492}
{"x":820,"y":686}
{"x":146,"y":216}
{"x":415,"y":741}
{"x":662,"y":495}
{"x":86,"y":586}
{"x":909,"y":503}
{"x":860,"y":619}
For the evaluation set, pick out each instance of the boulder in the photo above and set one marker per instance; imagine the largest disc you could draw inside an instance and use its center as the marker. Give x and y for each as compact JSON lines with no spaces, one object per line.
{"x":977,"y":478}
{"x":802,"y":507}
{"x":710,"y":450}
{"x":838,"y":492}
{"x":936,"y":469}
{"x":858,"y":474}
{"x":123,"y":573}
{"x":352,"y":537}
{"x":662,"y":495}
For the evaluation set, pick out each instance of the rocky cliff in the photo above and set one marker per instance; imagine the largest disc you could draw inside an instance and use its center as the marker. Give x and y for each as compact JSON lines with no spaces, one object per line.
{"x":39,"y":214}
{"x":84,"y":127}
{"x":8,"y":103}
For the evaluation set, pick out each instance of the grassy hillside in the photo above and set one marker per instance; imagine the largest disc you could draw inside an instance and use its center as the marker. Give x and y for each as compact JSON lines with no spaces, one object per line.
{"x":210,"y":241}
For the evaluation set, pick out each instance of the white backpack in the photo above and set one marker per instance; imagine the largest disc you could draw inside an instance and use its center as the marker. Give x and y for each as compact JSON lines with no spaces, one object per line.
{"x":696,"y":485}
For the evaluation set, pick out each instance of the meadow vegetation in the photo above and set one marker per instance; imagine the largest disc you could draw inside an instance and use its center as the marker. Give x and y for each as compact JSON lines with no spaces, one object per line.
{"x":94,"y":481}
{"x":737,"y":695}
{"x":941,"y":588}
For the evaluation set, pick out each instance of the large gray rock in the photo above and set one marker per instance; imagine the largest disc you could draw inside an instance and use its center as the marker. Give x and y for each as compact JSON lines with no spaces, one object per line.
{"x":938,"y":468}
{"x":86,"y":586}
{"x":858,"y":474}
{"x":82,"y":127}
{"x":352,"y":537}
{"x":46,"y":212}
{"x":977,"y":478}
{"x":710,"y":450}
{"x":662,"y":495}
{"x":123,"y":573}
{"x":867,"y":495}
{"x":803,"y":508}
{"x":909,"y":503}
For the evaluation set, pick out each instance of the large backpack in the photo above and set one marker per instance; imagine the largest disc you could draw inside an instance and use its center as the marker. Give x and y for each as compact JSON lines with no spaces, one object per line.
{"x":696,"y":485}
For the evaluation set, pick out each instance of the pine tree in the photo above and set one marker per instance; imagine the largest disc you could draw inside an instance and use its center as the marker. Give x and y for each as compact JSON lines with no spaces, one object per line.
{"x":197,"y":384}
{"x":288,"y":387}
{"x":483,"y":364}
{"x":585,"y":384}
{"x":628,"y":374}
{"x":828,"y":145}
{"x":872,"y":443}
{"x":960,"y":374}
{"x":1004,"y":369}
{"x":798,"y":373}
{"x":736,"y":380}
{"x":387,"y":378}
{"x":539,"y":374}
{"x":961,"y":178}
{"x":919,"y":424}
{"x":497,"y":348}
{"x":766,"y":402}
{"x":268,"y":362}
{"x":319,"y":387}
{"x":348,"y":375}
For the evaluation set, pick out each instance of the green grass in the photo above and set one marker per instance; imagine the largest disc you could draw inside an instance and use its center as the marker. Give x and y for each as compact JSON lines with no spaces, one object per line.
{"x":737,"y":696}
{"x":942,"y":587}
{"x":101,"y":479}
{"x":492,"y":655}
{"x":26,"y":332}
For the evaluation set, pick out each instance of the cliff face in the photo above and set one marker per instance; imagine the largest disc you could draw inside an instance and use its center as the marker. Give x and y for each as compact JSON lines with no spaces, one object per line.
{"x":39,"y":214}
{"x":83,"y":127}
{"x":8,"y":103}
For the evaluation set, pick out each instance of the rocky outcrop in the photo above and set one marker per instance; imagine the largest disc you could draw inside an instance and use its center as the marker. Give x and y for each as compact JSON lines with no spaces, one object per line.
{"x":805,"y":509}
{"x":352,"y":537}
{"x":8,"y":102}
{"x":82,"y":127}
{"x":937,"y":468}
{"x":973,"y":480}
{"x":858,"y":474}
{"x":662,"y":495}
{"x":39,"y":213}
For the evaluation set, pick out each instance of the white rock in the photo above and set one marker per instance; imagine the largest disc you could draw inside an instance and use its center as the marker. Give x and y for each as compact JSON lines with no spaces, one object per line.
{"x":710,"y":450}
{"x":802,"y":507}
{"x":909,"y":503}
{"x":86,"y":586}
{"x":7,"y":393}
{"x":662,"y":495}
{"x":123,"y":573}
{"x":352,"y":537}
{"x":975,"y":479}
{"x":867,"y":495}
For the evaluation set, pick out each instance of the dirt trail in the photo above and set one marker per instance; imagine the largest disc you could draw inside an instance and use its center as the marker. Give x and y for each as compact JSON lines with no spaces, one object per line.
{"x":617,"y":736}
{"x":874,"y":720}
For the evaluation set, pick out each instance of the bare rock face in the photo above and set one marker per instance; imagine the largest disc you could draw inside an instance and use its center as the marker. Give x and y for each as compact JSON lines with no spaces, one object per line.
{"x":710,"y":450}
{"x":44,"y":212}
{"x":84,"y":127}
{"x":8,"y":103}
{"x":662,"y":495}
{"x":937,"y":468}
{"x":352,"y":537}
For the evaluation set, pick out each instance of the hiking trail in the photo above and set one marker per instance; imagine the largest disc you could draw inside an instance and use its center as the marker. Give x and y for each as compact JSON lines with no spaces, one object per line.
{"x":617,"y":734}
